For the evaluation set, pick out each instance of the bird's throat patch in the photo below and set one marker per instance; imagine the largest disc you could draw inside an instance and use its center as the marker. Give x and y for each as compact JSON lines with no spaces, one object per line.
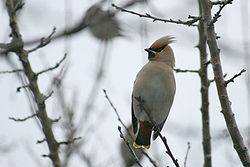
{"x":153,"y":55}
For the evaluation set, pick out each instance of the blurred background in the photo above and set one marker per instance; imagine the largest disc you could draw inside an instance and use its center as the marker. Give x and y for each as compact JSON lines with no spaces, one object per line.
{"x":108,"y":56}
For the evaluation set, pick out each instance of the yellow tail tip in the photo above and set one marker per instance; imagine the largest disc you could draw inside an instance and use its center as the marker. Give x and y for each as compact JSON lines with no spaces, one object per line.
{"x":140,"y":146}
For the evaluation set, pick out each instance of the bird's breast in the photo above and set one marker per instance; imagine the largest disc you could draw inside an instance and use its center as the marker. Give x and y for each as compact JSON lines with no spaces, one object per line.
{"x":157,"y":90}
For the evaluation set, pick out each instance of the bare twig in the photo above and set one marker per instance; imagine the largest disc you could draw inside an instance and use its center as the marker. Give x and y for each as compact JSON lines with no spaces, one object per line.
{"x":228,"y":114}
{"x":189,"y":22}
{"x":48,"y":96}
{"x":116,"y":112}
{"x":69,"y":141}
{"x":188,"y":148}
{"x":21,"y":87}
{"x":119,"y":119}
{"x":129,"y":146}
{"x":52,"y":68}
{"x":56,"y":120}
{"x":40,"y":141}
{"x":224,"y":2}
{"x":163,"y":138}
{"x":13,"y":71}
{"x":221,"y":4}
{"x":43,"y":41}
{"x":19,"y":6}
{"x":235,"y":76}
{"x":177,"y":70}
{"x":22,"y":119}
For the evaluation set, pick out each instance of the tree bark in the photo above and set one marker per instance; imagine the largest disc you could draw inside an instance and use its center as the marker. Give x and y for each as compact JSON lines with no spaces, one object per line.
{"x":206,"y":138}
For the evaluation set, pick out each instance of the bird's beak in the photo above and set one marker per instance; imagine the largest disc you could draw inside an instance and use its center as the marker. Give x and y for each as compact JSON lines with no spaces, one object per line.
{"x":148,"y":50}
{"x":151,"y":54}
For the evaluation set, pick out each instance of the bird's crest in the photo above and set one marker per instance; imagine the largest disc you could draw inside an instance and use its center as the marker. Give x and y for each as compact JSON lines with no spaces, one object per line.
{"x":162,"y":42}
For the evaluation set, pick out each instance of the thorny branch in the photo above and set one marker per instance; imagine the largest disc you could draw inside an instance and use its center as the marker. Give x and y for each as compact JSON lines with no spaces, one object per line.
{"x":163,"y":138}
{"x":119,"y":119}
{"x":235,"y":76}
{"x":129,"y":146}
{"x":191,"y":22}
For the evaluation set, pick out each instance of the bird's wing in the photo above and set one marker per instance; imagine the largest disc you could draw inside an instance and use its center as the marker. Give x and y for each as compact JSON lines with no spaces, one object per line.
{"x":134,"y":120}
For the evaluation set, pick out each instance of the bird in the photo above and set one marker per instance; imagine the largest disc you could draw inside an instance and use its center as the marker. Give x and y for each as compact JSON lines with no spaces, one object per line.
{"x":102,"y":24}
{"x":154,"y":89}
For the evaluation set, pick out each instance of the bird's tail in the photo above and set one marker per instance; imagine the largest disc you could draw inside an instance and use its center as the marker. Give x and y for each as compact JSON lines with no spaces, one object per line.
{"x":144,"y":135}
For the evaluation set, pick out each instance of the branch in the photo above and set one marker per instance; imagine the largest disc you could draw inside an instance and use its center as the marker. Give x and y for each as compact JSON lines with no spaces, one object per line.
{"x":33,"y":85}
{"x":9,"y":72}
{"x":43,"y":41}
{"x":40,"y":141}
{"x":116,"y":112}
{"x":22,"y":119}
{"x":119,"y":119}
{"x":228,"y":114}
{"x":188,"y":148}
{"x":69,"y":141}
{"x":21,"y":87}
{"x":19,"y":6}
{"x":56,"y":120}
{"x":235,"y":76}
{"x":48,"y":96}
{"x":204,"y":90}
{"x":217,"y":14}
{"x":52,"y":68}
{"x":189,"y":22}
{"x":225,"y":2}
{"x":177,"y":70}
{"x":163,"y":138}
{"x":130,"y":149}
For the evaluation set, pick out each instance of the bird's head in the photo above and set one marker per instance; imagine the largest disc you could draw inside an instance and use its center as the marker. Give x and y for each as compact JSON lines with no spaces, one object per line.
{"x":161,"y":51}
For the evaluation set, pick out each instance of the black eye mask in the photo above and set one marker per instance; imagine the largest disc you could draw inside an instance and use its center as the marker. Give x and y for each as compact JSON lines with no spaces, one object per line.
{"x":158,"y":49}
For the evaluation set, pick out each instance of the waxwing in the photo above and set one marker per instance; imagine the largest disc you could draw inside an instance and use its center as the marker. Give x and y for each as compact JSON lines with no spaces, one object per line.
{"x":155,"y":86}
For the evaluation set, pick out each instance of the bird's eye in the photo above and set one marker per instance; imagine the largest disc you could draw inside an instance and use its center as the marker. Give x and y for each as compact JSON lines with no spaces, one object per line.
{"x":158,"y":49}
